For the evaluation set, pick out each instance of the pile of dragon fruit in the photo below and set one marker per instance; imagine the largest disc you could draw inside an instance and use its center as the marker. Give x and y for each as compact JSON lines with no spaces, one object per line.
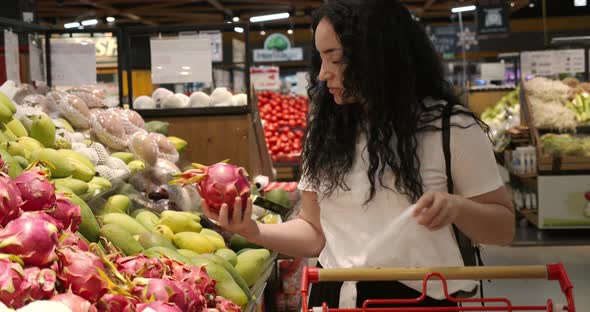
{"x":46,"y":264}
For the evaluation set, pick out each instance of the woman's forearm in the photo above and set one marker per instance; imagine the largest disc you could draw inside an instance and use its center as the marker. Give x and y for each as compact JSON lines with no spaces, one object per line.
{"x":297,"y":238}
{"x":486,"y":223}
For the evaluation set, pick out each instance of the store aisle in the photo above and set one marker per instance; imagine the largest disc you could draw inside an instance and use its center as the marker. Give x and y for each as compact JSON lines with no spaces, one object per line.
{"x":575,"y":258}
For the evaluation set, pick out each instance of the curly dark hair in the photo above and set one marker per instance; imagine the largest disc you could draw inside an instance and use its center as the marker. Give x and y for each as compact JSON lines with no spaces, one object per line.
{"x":392,"y":66}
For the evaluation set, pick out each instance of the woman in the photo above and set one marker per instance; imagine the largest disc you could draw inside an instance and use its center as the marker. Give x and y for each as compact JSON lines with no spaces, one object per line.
{"x":374,"y":148}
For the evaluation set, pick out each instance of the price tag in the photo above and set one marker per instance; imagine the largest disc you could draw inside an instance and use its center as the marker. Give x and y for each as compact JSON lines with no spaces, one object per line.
{"x":265,"y":78}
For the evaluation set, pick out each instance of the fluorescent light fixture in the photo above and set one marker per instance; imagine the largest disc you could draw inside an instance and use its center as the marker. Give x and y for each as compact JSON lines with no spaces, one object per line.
{"x":84,"y":43}
{"x":110,"y":19}
{"x":290,"y":31}
{"x":158,"y":67}
{"x":89,"y":22}
{"x":531,"y":5}
{"x":236,"y":19}
{"x":269,"y":17}
{"x":186,"y":67}
{"x":263,"y":33}
{"x":463,"y":9}
{"x":184,"y":73}
{"x":239,"y":29}
{"x":580,"y":3}
{"x":72,"y":25}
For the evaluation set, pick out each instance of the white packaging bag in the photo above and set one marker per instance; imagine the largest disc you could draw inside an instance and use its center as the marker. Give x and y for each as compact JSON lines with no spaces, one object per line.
{"x":407,"y":244}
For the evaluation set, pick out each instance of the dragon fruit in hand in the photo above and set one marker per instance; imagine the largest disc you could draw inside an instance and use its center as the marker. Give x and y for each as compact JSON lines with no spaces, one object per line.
{"x":32,"y":239}
{"x":12,"y":276}
{"x":74,"y":302}
{"x":66,"y":212}
{"x":36,"y":191}
{"x":78,"y":270}
{"x":218,"y":184}
{"x":10,"y":200}
{"x":159,"y":306}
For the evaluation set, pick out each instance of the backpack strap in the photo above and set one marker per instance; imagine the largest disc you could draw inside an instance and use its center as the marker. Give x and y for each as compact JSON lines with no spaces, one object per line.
{"x":471,"y":254}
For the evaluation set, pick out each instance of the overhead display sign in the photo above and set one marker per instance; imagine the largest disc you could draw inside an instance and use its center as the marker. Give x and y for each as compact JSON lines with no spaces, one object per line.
{"x":11,"y":56}
{"x":447,"y":40}
{"x":552,"y":62}
{"x":277,"y":48}
{"x":179,"y":60}
{"x":492,"y":71}
{"x":493,"y":17}
{"x":36,"y":58}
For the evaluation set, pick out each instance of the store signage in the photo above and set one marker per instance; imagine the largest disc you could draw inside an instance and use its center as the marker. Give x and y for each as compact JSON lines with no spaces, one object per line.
{"x":11,"y":56}
{"x":552,"y":62}
{"x":277,"y":48}
{"x":493,"y":17}
{"x":265,"y":78}
{"x":492,"y":71}
{"x":447,"y":39}
{"x":73,"y":64}
{"x":216,"y":38}
{"x":181,"y":60}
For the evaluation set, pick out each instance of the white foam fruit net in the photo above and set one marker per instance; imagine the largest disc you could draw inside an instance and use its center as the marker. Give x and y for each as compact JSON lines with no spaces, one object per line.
{"x":104,"y":136}
{"x":77,"y":119}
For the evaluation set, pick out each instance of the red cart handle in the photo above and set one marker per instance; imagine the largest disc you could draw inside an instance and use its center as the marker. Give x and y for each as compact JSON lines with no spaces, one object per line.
{"x":549,"y":272}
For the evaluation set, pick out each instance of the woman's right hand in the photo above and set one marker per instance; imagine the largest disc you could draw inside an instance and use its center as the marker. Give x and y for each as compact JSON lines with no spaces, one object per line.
{"x":239,"y":222}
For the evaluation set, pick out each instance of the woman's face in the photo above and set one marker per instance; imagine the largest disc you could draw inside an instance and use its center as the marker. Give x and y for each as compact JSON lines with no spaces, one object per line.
{"x":328,"y":45}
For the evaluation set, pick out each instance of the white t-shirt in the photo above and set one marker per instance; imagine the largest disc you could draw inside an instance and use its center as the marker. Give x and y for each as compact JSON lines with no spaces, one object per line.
{"x":348,"y":225}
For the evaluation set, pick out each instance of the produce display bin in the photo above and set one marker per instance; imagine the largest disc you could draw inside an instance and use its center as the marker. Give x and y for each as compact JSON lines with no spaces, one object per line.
{"x":551,"y":272}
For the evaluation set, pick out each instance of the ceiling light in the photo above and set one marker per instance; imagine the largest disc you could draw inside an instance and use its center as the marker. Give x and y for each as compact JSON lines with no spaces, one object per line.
{"x":463,"y":9}
{"x":72,"y":25}
{"x":89,"y":22}
{"x":531,"y":5}
{"x":263,"y":33}
{"x":110,"y":19}
{"x":184,"y":73}
{"x":512,"y":4}
{"x":239,"y":29}
{"x":580,"y":3}
{"x":270,"y":17}
{"x":236,"y":19}
{"x":186,"y":67}
{"x":290,"y":31}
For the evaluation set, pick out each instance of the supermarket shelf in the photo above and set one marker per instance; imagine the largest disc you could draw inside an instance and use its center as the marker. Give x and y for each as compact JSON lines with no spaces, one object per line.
{"x":530,"y":215}
{"x":194,"y":111}
{"x":524,"y":176}
{"x":529,"y":236}
{"x":585,"y":129}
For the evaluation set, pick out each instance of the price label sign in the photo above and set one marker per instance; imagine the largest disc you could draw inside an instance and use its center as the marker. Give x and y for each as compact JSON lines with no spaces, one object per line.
{"x":265,"y":78}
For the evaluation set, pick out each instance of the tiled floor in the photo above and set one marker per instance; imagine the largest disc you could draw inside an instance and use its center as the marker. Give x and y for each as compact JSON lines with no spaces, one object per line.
{"x":524,"y":292}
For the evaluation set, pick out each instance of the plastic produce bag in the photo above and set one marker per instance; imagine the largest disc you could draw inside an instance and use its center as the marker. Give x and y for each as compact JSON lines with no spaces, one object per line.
{"x":412,"y":245}
{"x":75,"y":111}
{"x":109,"y":129}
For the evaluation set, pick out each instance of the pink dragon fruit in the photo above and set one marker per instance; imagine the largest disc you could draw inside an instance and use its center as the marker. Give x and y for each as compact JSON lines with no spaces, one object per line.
{"x":218,"y":184}
{"x":10,"y":200}
{"x":12,"y":276}
{"x":36,"y":191}
{"x":33,"y":240}
{"x":78,"y":270}
{"x":140,"y":266}
{"x":66,"y":212}
{"x":43,"y":216}
{"x":193,"y":275}
{"x":73,"y":239}
{"x":74,"y":302}
{"x":159,"y":306}
{"x":117,"y":303}
{"x":168,"y":290}
{"x":39,"y":284}
{"x":224,"y":305}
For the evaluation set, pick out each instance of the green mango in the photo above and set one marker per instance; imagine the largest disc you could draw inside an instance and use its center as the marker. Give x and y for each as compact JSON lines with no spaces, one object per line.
{"x":59,"y":166}
{"x":148,"y":219}
{"x":170,"y":253}
{"x":117,"y":203}
{"x":231,"y":270}
{"x":180,"y":221}
{"x":228,"y":255}
{"x":124,"y":156}
{"x":238,"y":242}
{"x":193,"y":241}
{"x":165,"y":231}
{"x":6,"y":102}
{"x":16,"y":149}
{"x":215,"y":238}
{"x":14,"y":169}
{"x":152,"y":239}
{"x":43,"y":130}
{"x":121,"y":239}
{"x":124,"y":221}
{"x":77,"y":186}
{"x":251,"y":264}
{"x":17,"y":128}
{"x":23,"y":162}
{"x":30,"y":144}
{"x":89,"y":226}
{"x":8,"y":133}
{"x":225,"y":285}
{"x":102,"y":182}
{"x":188,"y":253}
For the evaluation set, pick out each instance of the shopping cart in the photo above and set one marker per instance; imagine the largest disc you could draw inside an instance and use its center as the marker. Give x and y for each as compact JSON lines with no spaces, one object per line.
{"x":552,"y":272}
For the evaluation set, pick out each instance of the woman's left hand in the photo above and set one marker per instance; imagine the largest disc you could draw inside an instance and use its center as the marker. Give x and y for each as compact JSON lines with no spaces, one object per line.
{"x":436,"y":210}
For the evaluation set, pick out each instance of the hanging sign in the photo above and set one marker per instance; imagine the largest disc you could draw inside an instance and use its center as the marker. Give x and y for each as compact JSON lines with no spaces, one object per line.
{"x":11,"y":56}
{"x":277,"y":48}
{"x":552,"y":62}
{"x":265,"y":78}
{"x":180,"y":60}
{"x":493,"y":17}
{"x":73,"y":64}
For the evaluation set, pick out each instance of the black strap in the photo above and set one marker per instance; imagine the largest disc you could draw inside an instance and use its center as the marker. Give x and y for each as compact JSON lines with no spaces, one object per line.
{"x":469,"y":252}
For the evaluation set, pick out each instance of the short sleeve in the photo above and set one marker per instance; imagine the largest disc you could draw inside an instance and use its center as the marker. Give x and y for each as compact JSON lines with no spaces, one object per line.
{"x":474,"y":167}
{"x":305,"y":184}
